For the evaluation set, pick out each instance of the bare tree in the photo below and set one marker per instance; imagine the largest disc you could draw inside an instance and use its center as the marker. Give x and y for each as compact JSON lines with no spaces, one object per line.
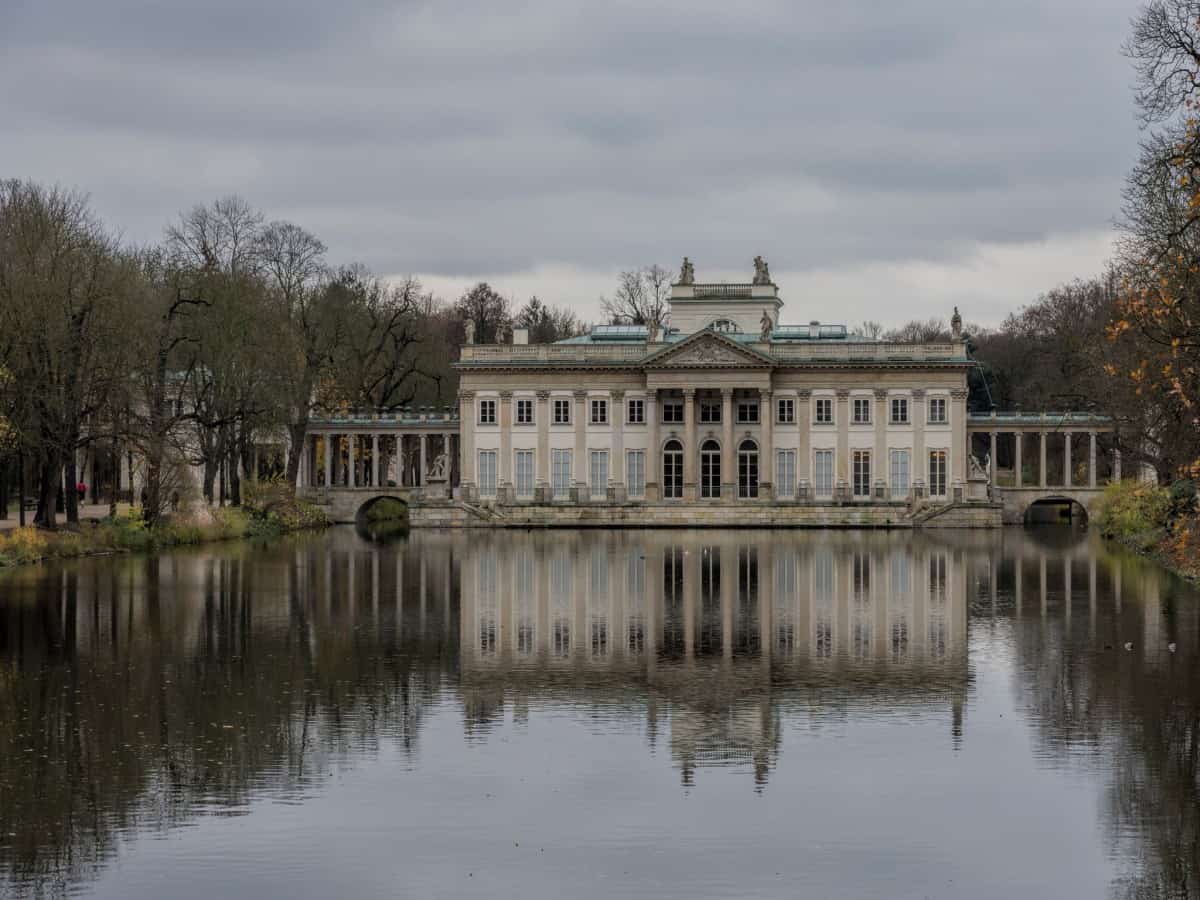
{"x":487,"y":309}
{"x":547,"y":324}
{"x":642,"y":296}
{"x":869,"y":328}
{"x":918,"y":331}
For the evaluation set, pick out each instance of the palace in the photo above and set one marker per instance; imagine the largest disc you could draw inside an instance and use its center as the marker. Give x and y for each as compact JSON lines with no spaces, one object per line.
{"x":723,"y":406}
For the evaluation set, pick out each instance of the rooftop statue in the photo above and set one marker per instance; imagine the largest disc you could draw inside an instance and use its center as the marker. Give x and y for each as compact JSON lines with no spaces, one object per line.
{"x":469,"y":329}
{"x":766,"y":326}
{"x":762,"y":275}
{"x":687,"y":275}
{"x":956,"y":324}
{"x":652,"y":329}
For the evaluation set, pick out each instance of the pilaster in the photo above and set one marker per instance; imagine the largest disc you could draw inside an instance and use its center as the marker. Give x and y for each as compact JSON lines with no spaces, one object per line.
{"x":616,"y":463}
{"x":579,"y":488}
{"x":841,"y":488}
{"x":542,"y":487}
{"x":766,"y":459}
{"x":804,"y":445}
{"x":728,"y":456}
{"x":504,"y":488}
{"x":653,"y":452}
{"x":689,"y":444}
{"x":882,"y":465}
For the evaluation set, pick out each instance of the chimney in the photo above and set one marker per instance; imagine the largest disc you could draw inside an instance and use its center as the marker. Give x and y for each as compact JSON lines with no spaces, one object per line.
{"x":814,"y":329}
{"x":520,"y":335}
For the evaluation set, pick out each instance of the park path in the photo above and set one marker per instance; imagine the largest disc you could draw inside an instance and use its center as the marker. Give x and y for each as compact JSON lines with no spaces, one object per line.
{"x":86,"y":511}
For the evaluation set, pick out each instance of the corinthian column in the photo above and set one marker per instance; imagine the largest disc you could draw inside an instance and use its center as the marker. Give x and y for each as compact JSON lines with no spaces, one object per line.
{"x":653,"y":455}
{"x":917,"y":416}
{"x":960,"y":448}
{"x":506,"y":454}
{"x":882,"y":468}
{"x":728,"y":457}
{"x":689,"y":444}
{"x":466,"y":424}
{"x":580,"y":488}
{"x":616,"y":467}
{"x":542,"y":489}
{"x":766,"y":459}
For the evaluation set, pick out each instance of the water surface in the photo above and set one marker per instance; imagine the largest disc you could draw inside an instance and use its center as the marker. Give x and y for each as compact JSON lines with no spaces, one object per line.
{"x":701,"y":714}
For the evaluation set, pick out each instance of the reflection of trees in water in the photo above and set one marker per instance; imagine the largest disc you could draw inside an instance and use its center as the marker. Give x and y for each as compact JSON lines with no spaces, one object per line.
{"x":1135,"y":715}
{"x":135,"y":695}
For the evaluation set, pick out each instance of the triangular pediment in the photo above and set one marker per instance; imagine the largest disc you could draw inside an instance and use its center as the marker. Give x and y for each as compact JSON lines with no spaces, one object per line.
{"x":708,"y":350}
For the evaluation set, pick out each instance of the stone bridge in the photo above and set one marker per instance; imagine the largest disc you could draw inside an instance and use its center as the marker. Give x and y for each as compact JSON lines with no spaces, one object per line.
{"x":343,"y":504}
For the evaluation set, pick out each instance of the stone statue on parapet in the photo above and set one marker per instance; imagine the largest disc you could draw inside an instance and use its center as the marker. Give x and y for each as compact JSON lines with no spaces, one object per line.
{"x":469,"y":330}
{"x":762,"y":275}
{"x":766,"y":326}
{"x":651,"y":332}
{"x":437,"y":472}
{"x":956,"y":325}
{"x":687,"y":274}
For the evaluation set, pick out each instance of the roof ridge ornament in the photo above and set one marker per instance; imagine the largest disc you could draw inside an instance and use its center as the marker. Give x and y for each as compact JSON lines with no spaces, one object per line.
{"x":762,"y":274}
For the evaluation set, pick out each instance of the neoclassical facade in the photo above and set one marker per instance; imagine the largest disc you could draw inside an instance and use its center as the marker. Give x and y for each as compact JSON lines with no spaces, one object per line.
{"x":725,"y":406}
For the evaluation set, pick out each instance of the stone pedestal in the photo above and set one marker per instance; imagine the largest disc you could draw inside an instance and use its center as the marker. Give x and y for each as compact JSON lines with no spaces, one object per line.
{"x":505,"y":495}
{"x":880,"y":492}
{"x":437,"y":490}
{"x":541,"y":494}
{"x":616,"y":493}
{"x":977,"y":488}
{"x":841,"y":492}
{"x":803,"y":491}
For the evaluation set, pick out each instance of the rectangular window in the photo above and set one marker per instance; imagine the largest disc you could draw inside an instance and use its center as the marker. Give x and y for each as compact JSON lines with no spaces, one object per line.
{"x":487,"y":473}
{"x":710,"y":412}
{"x":899,"y":472}
{"x":861,"y":473}
{"x":785,"y":473}
{"x":937,"y":410}
{"x":900,"y":410}
{"x":635,"y":473}
{"x":562,"y":412}
{"x":823,"y":473}
{"x":937,"y":473}
{"x":524,"y":412}
{"x":862,"y":411}
{"x":823,"y":411}
{"x":672,"y":411}
{"x":599,"y":412}
{"x":786,"y":411}
{"x":599,"y":473}
{"x":560,"y":473}
{"x":747,"y":412}
{"x":636,"y":412}
{"x":524,"y":462}
{"x":487,"y":412}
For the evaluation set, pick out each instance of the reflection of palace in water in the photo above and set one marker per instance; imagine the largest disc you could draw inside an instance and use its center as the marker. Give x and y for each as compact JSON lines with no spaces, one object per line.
{"x":716,"y":630}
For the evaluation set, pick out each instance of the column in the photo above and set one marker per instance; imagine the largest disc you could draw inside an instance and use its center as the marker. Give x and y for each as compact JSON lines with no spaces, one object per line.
{"x":841,"y":489}
{"x":329,"y":451}
{"x":352,"y":478}
{"x":1066,"y":459}
{"x":918,"y":473}
{"x":1042,"y":459}
{"x":882,"y":464}
{"x":1091,"y":459}
{"x":616,"y":463}
{"x":653,"y":454}
{"x":766,"y":457}
{"x":466,"y":422}
{"x":542,"y":488}
{"x":992,"y":460}
{"x":1017,"y":479}
{"x":960,"y":448}
{"x":580,"y":462}
{"x":728,"y":456}
{"x":421,"y":461}
{"x":1116,"y":471}
{"x":803,"y":448}
{"x":375,"y":460}
{"x":505,"y":484}
{"x":689,"y":444}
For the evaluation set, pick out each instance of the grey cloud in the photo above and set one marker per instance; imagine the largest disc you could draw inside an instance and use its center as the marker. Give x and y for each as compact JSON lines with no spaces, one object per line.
{"x":465,"y":138}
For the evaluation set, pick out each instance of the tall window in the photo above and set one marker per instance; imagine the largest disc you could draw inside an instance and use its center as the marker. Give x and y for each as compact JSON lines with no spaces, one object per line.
{"x":785,"y":473}
{"x":710,"y":411}
{"x":748,"y":470}
{"x":823,"y":411}
{"x":524,"y":412}
{"x":937,"y":473}
{"x":747,"y":411}
{"x":635,"y":473}
{"x":786,"y":410}
{"x":899,"y":472}
{"x":524,"y":461}
{"x":672,"y":411}
{"x":636,"y":411}
{"x":710,"y":470}
{"x":861,"y":473}
{"x":862,"y":411}
{"x":487,"y":473}
{"x":823,"y":473}
{"x":937,"y":410}
{"x":599,"y":473}
{"x":560,"y":472}
{"x":487,"y":412}
{"x":900,"y":410}
{"x":599,"y":412}
{"x":672,"y":471}
{"x":562,"y":411}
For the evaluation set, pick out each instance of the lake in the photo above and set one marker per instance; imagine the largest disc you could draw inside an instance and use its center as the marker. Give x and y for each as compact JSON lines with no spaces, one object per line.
{"x":837,"y":714}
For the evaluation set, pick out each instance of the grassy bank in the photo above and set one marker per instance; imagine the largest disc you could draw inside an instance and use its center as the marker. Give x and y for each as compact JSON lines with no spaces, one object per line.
{"x":267,"y":517}
{"x":1160,"y":522}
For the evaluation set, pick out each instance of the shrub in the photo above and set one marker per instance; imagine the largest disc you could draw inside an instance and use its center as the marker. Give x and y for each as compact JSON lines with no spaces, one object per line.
{"x":386,"y":509}
{"x":1134,"y":512}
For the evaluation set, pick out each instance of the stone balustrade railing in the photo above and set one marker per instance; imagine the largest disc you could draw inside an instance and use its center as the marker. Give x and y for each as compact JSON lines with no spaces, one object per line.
{"x":784,"y":351}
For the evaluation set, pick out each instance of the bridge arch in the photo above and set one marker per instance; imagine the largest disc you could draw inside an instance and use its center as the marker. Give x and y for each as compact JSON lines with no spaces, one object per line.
{"x":1056,"y":508}
{"x":382,"y":507}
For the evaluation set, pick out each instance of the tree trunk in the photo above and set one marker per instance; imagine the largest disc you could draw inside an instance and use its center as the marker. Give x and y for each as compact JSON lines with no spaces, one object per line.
{"x":297,"y":433}
{"x":71,"y":495}
{"x":21,"y":488}
{"x":4,"y":476}
{"x":115,"y":480}
{"x":49,"y":488}
{"x":235,"y":477}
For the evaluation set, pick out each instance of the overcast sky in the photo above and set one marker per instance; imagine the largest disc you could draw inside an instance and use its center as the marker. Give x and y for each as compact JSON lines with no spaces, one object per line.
{"x":889,"y":159}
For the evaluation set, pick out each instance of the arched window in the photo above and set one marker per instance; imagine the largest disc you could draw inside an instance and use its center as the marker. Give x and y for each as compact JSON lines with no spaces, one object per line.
{"x":748,"y":470}
{"x":672,"y":471}
{"x":727,"y":326}
{"x":710,"y":470}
